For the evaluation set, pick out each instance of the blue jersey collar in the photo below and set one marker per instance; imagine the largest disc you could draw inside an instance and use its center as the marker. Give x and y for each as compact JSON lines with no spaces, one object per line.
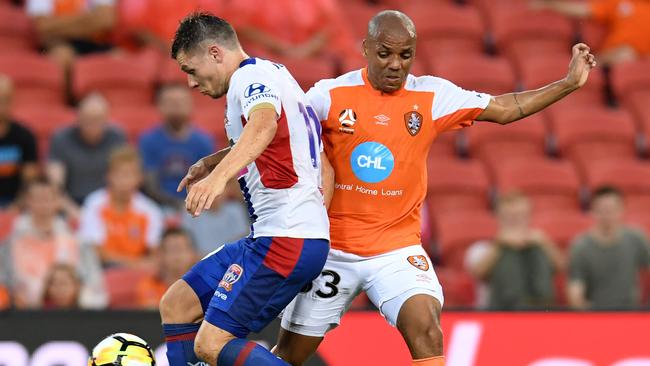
{"x":248,"y":61}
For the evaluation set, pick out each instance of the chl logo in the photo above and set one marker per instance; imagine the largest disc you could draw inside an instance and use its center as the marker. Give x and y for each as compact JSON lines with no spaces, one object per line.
{"x":256,"y":88}
{"x":372,"y":162}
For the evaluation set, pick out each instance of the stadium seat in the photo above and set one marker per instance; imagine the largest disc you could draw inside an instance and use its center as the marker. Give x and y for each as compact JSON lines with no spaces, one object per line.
{"x":630,"y":77}
{"x":459,"y":287}
{"x":124,"y":80}
{"x":630,"y":176}
{"x":492,"y":75}
{"x":639,"y":219}
{"x":211,"y":120}
{"x":550,"y":184}
{"x":308,"y":71}
{"x":456,"y":185}
{"x":44,"y":122}
{"x":170,"y":73}
{"x":639,"y":106}
{"x":121,"y":286}
{"x":135,"y":120}
{"x":38,"y":80}
{"x":16,"y":33}
{"x":456,"y":231}
{"x":547,"y":67}
{"x":445,"y":145}
{"x":446,"y":28}
{"x":358,"y":14}
{"x":592,"y":34}
{"x":584,"y":134}
{"x":562,"y":226}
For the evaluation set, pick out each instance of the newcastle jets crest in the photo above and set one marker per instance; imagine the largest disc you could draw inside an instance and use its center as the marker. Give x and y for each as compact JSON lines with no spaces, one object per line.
{"x":413,"y":121}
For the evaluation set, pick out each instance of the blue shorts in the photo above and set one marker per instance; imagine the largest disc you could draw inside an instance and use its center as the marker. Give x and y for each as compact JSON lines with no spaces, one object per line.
{"x":244,"y":285}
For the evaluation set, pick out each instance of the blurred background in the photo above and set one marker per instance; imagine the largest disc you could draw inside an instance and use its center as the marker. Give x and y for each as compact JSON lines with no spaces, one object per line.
{"x":98,"y":126}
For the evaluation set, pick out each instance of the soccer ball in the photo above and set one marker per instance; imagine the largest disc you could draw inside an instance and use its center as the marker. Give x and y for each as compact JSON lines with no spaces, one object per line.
{"x":122,"y":349}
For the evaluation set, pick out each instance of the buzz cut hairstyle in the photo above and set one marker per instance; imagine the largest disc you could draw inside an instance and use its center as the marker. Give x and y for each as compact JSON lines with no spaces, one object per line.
{"x":373,"y":24}
{"x":199,"y":27}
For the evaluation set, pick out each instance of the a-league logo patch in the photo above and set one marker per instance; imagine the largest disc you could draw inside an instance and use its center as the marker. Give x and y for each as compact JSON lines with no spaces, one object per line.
{"x":233,"y":274}
{"x":419,"y":262}
{"x":413,"y":122}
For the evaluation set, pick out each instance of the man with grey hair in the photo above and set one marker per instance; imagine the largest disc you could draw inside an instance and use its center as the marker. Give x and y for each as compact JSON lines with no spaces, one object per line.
{"x":378,"y":125}
{"x":18,"y":152}
{"x":78,"y":158}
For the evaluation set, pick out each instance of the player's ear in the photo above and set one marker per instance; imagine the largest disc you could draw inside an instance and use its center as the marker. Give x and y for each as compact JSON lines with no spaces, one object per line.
{"x":364,"y":48}
{"x":215,"y":52}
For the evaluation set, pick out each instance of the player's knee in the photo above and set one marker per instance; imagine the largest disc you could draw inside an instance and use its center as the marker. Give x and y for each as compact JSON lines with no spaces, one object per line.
{"x":292,"y":358}
{"x":176,"y":307}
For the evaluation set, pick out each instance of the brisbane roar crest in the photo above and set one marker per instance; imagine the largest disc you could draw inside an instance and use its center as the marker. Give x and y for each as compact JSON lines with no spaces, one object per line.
{"x":419,"y":262}
{"x":413,"y":122}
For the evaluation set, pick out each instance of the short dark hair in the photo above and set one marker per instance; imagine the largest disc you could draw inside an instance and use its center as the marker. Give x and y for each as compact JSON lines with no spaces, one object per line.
{"x":174,"y":230}
{"x":198,"y":27}
{"x":606,"y":191}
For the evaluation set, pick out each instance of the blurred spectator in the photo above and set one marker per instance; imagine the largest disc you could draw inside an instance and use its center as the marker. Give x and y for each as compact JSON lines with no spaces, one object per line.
{"x":605,"y":261}
{"x":225,"y":222}
{"x":62,"y":288}
{"x":120,"y":222}
{"x":294,"y":28}
{"x":79,"y":154}
{"x":518,"y":265}
{"x":69,"y":27}
{"x":628,"y":23}
{"x":41,"y":239}
{"x":176,"y":255}
{"x":17,"y":148}
{"x":152,"y":23}
{"x":170,"y":149}
{"x":5,"y":300}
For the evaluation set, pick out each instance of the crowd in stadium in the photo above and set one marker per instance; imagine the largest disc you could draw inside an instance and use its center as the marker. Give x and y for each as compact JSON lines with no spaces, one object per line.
{"x":97,"y":128}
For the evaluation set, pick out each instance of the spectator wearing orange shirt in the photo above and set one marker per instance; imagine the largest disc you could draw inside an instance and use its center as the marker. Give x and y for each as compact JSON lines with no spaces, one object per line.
{"x":294,"y":28}
{"x":5,"y":300}
{"x":628,"y":23}
{"x":176,"y":255}
{"x":120,"y":222}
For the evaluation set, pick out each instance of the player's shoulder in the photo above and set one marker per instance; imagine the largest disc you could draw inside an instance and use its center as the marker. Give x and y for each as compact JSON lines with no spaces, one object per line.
{"x":428,"y":83}
{"x":350,"y":79}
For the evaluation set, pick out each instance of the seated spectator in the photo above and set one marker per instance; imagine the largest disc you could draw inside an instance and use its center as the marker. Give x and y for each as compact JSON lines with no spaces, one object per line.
{"x":606,"y":261}
{"x":628,"y":23}
{"x":176,"y":255}
{"x":170,"y":149}
{"x":79,"y":154}
{"x":518,"y":265}
{"x":40,"y":239}
{"x":294,"y":28}
{"x":5,"y":299}
{"x":62,"y":288}
{"x":121,"y":223}
{"x":18,"y":154}
{"x":66,"y":28}
{"x":225,"y":222}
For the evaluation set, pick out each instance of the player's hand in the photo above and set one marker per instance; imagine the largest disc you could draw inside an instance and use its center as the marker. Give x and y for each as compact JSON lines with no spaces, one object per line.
{"x":202,"y":194}
{"x":581,"y":64}
{"x":195,"y":173}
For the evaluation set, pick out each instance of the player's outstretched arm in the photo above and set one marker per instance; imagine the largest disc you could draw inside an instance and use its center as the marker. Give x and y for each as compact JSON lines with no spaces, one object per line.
{"x":511,"y":107}
{"x":255,"y":137}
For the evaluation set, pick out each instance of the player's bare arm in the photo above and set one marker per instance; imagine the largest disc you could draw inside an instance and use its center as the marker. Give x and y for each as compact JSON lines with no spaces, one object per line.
{"x":328,"y":179}
{"x":202,"y":168}
{"x":256,"y":136}
{"x":507,"y":108}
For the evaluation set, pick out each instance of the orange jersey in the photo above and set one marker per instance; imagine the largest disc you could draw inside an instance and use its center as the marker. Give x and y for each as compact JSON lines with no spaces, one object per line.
{"x":149,"y":291}
{"x":378,"y":145}
{"x":628,"y":22}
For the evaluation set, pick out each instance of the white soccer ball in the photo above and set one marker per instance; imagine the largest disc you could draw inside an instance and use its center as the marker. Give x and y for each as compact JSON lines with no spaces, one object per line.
{"x":122,"y":349}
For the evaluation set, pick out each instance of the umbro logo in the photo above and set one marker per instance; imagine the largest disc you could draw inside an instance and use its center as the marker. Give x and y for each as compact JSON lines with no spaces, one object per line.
{"x":200,"y":363}
{"x":382,"y":119}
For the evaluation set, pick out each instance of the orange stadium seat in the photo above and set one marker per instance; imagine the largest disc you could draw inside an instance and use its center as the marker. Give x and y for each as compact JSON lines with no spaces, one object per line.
{"x":588,"y":133}
{"x":445,"y":145}
{"x":38,"y":80}
{"x":170,"y":73}
{"x":16,"y":33}
{"x":492,"y":75}
{"x":562,"y":226}
{"x":546,"y":68}
{"x":630,"y":77}
{"x":358,"y":14}
{"x":123,"y":80}
{"x":446,"y":28}
{"x":593,"y":34}
{"x":639,"y":105}
{"x":308,"y":71}
{"x":456,"y":185}
{"x":456,"y":231}
{"x":550,"y":184}
{"x":630,"y":176}
{"x":135,"y":120}
{"x":459,"y":287}
{"x":121,"y":286}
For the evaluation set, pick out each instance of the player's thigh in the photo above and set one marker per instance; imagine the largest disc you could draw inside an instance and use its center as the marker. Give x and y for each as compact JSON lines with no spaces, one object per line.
{"x":180,"y":304}
{"x":319,"y":307}
{"x":395,"y":277}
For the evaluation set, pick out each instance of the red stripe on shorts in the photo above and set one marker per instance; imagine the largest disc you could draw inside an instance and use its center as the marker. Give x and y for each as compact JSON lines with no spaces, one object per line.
{"x":283,"y":255}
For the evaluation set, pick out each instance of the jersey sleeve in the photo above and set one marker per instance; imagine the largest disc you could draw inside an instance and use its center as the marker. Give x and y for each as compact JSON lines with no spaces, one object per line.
{"x":154,"y":224}
{"x":92,"y":230}
{"x":254,"y":88}
{"x":455,"y":107}
{"x":37,"y":8}
{"x":320,"y":99}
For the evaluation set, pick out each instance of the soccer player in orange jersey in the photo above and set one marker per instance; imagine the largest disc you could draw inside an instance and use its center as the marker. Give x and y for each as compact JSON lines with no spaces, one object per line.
{"x":378,"y":124}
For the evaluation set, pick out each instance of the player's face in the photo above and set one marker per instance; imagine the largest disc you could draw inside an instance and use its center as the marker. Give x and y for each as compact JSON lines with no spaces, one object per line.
{"x":389,"y":57}
{"x":205,"y":70}
{"x":607,"y":210}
